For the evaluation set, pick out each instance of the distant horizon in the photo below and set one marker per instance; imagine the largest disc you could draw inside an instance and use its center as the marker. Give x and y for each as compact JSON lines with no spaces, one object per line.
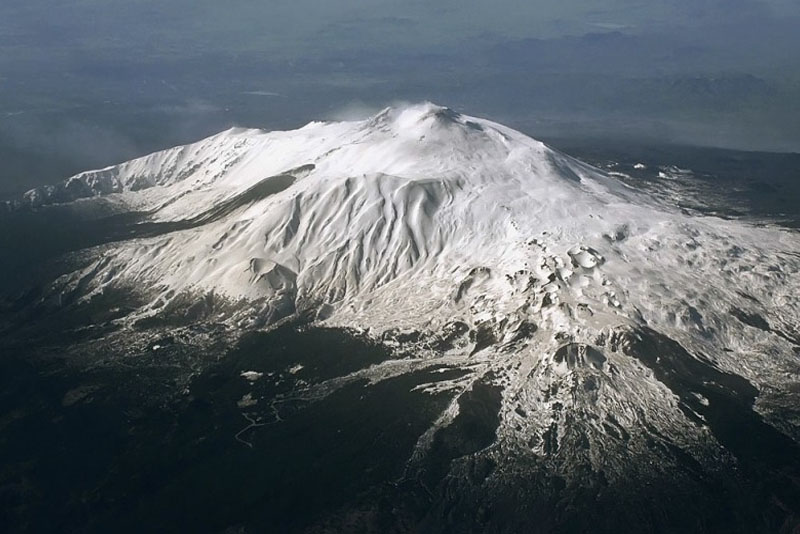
{"x":99,"y":83}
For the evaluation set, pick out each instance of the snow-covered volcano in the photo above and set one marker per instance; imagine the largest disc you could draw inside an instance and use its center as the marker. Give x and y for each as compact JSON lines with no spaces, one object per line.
{"x":421,"y":215}
{"x":606,"y":320}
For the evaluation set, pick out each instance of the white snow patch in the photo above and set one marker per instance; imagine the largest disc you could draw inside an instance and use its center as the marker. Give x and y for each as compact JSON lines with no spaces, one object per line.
{"x":251,"y":376}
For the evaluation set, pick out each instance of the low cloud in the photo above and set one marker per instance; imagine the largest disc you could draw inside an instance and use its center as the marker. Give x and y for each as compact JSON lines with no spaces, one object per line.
{"x":358,"y":110}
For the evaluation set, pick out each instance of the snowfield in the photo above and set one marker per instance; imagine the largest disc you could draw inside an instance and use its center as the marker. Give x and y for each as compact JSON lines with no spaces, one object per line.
{"x":421,"y":219}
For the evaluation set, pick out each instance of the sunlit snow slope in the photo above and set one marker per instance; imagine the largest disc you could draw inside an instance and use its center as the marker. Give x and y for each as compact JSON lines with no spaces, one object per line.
{"x":559,"y":283}
{"x":421,"y":214}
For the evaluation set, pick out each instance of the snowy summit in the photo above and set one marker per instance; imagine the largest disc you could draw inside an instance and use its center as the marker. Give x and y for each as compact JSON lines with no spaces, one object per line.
{"x":525,"y":264}
{"x":424,"y":212}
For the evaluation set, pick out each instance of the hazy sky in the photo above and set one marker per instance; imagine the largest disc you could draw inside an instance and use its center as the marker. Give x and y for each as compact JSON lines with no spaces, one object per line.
{"x":101,"y":80}
{"x":294,"y":28}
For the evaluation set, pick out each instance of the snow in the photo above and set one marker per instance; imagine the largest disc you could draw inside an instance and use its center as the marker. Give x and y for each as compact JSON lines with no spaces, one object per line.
{"x":420,"y":215}
{"x":251,"y":376}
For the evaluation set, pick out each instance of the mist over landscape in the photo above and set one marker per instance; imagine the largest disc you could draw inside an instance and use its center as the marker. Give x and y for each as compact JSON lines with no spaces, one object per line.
{"x":87,"y":84}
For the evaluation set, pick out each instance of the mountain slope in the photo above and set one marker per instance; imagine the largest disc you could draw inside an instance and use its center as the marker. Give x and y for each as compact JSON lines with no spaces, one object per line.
{"x":423,"y":212}
{"x":600,"y":335}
